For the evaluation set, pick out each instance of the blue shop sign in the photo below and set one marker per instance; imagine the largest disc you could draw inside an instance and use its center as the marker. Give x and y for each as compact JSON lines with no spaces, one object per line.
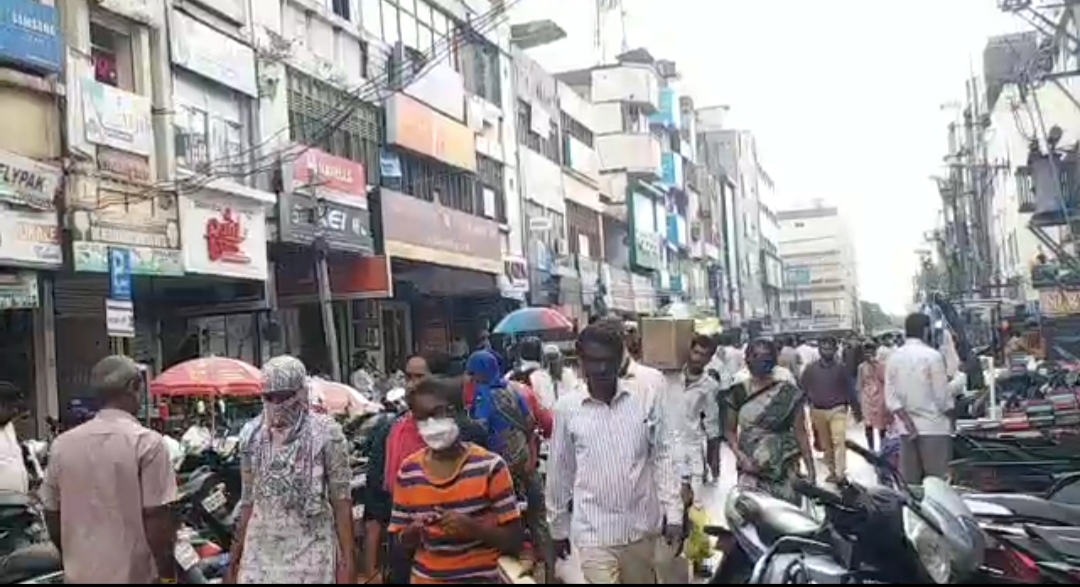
{"x":29,"y":35}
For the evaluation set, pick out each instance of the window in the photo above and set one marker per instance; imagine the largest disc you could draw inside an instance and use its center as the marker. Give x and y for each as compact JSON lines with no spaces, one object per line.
{"x":801,"y":308}
{"x":111,"y":53}
{"x":371,"y":17}
{"x":549,"y":146}
{"x":572,"y":128}
{"x":558,"y":223}
{"x":489,"y":174}
{"x":342,"y":9}
{"x":582,"y":226}
{"x":207,"y":127}
{"x":481,"y":195}
{"x":391,"y":32}
{"x":312,"y":103}
{"x":478,"y":62}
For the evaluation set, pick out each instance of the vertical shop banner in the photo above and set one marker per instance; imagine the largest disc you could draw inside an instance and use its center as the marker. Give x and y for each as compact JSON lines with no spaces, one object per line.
{"x":120,"y":274}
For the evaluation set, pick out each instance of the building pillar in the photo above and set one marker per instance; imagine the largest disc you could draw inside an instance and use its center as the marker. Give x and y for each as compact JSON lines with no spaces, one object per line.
{"x":46,"y":390}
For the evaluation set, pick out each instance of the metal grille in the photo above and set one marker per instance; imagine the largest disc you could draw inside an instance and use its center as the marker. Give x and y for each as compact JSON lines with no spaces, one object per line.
{"x":314,"y":106}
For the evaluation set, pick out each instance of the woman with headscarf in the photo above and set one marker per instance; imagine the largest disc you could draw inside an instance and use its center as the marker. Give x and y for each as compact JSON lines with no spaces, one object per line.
{"x":509,"y":412}
{"x":296,"y":508}
{"x":766,"y":426}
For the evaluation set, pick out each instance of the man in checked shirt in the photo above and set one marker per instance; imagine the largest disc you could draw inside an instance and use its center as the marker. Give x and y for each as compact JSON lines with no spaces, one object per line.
{"x":611,"y":457}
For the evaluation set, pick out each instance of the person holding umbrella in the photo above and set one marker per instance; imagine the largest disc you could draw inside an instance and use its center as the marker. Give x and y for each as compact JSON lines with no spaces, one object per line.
{"x":296,"y":506}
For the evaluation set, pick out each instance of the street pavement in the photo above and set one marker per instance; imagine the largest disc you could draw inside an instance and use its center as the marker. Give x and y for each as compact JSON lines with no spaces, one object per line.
{"x":714,"y":494}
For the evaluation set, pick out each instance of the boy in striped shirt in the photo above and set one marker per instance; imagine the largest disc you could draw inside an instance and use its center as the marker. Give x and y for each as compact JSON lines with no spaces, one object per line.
{"x":453,"y":501}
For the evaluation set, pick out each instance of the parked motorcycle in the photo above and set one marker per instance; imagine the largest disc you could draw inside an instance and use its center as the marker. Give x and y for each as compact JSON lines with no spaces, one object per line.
{"x":890,"y":534}
{"x":26,"y":553}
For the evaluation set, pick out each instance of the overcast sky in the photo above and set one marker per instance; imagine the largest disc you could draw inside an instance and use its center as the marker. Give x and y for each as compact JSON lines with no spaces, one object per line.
{"x":844,"y":97}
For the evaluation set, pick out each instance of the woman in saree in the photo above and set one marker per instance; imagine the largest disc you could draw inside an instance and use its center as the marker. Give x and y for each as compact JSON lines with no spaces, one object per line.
{"x":766,"y":426}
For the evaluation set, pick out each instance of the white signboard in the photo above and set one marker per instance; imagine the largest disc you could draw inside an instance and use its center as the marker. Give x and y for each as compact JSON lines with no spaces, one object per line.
{"x":120,"y":318}
{"x":223,"y":235}
{"x":29,"y":237}
{"x":117,"y":119}
{"x":211,"y":54}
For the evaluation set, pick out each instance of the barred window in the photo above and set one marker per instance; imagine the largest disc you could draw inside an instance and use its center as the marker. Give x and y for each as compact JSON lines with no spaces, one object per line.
{"x":481,"y":195}
{"x":549,"y":146}
{"x":333,"y":121}
{"x":573,"y":128}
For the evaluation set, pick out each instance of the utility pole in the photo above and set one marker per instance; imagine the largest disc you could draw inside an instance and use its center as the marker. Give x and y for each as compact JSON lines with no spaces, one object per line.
{"x":322,"y":279}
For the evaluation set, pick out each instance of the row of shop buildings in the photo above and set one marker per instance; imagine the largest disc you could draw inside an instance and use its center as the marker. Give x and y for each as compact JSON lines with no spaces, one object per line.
{"x":188,"y":178}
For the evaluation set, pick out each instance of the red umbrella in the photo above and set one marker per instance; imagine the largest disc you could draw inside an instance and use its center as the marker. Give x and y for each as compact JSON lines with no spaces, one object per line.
{"x":338,"y":398}
{"x":209,"y":376}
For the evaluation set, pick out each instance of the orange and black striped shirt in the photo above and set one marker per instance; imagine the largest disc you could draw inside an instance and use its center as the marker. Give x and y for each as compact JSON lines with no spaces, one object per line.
{"x":480,"y":487}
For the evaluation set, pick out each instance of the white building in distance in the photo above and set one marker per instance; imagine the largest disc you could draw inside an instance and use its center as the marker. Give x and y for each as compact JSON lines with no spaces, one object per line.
{"x":821,"y":286}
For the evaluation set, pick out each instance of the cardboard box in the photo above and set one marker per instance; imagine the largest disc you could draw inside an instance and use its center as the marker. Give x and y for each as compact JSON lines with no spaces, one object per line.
{"x":665,"y":342}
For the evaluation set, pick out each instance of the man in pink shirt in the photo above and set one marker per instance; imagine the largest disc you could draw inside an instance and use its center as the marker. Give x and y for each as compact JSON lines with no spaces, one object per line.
{"x":108,"y":489}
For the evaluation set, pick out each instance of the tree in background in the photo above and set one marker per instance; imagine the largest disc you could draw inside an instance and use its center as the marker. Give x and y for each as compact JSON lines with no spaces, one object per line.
{"x":875,"y":319}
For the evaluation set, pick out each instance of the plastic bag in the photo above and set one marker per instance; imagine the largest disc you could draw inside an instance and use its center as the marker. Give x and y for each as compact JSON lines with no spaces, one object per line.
{"x":697,"y":548}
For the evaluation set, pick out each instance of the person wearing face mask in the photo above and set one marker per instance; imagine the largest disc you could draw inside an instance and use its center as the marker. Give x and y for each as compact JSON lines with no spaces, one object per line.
{"x":109,"y":486}
{"x":392,"y":441}
{"x":454,"y":502}
{"x":766,"y":426}
{"x":296,"y":505}
{"x":611,"y":458}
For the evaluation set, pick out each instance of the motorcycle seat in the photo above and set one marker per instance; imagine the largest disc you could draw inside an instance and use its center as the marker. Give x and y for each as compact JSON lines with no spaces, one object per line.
{"x":1033,"y":509}
{"x":775,"y":518}
{"x":29,"y":562}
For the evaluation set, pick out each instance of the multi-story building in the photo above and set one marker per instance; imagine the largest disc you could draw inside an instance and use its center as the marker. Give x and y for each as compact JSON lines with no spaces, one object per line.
{"x":821,"y":287}
{"x":31,"y":90}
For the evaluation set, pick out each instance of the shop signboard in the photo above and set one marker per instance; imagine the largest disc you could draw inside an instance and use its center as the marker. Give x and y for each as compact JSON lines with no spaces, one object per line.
{"x":120,"y":318}
{"x":426,"y":231}
{"x":344,"y":228}
{"x":332,"y":178}
{"x":224,"y":235}
{"x":416,"y":127}
{"x":18,"y":290}
{"x":29,"y":226}
{"x":213,"y":55}
{"x":115,"y":118}
{"x":146,"y":224}
{"x":29,"y":35}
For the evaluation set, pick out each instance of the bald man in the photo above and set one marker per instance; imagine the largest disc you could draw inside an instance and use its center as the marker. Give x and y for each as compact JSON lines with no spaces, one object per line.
{"x":112,"y":478}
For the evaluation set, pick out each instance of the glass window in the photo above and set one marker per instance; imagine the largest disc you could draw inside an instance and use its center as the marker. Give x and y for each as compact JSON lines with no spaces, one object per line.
{"x":408,"y":31}
{"x":423,"y":12}
{"x":390,"y":23}
{"x":438,"y":20}
{"x":370,"y":18}
{"x":190,"y":136}
{"x":427,"y":41}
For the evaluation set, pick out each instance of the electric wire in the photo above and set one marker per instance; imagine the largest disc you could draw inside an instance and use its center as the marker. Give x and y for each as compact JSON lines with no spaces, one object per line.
{"x":384,"y":81}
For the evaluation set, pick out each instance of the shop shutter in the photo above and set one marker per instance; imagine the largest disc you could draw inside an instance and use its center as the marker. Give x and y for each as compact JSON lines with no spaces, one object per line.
{"x":81,"y":295}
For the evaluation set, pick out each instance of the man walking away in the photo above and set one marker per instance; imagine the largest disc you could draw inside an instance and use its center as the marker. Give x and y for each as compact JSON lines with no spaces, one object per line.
{"x":108,"y":489}
{"x":807,"y":354}
{"x":830,"y":392}
{"x":610,"y":458}
{"x":788,"y":357}
{"x":530,"y":371}
{"x":917,"y":394}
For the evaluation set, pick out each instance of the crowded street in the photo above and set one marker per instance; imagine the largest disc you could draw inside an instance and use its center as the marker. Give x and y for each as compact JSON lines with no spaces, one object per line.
{"x":539,"y":292}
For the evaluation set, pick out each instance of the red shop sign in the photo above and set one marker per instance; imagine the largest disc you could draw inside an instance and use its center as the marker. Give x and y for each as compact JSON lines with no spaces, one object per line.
{"x":225,"y":239}
{"x":327,"y":172}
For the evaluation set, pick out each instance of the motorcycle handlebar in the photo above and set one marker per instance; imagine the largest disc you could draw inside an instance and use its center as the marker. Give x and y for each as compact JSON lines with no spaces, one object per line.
{"x":808,"y":489}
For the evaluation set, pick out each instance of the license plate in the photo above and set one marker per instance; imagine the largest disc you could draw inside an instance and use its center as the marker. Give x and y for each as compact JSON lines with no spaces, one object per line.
{"x":214,"y":501}
{"x":185,"y":555}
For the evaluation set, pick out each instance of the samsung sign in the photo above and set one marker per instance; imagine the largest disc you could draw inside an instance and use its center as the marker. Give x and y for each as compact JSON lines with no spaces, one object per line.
{"x":28,"y":35}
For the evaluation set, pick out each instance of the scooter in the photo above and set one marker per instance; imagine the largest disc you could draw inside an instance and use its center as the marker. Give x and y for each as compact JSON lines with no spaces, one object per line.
{"x":869,"y":535}
{"x":28,"y":554}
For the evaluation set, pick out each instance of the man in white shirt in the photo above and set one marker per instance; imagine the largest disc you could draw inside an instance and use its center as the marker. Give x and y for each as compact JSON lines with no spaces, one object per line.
{"x":694,"y":397}
{"x":611,"y":458}
{"x":917,"y":393}
{"x":530,"y":371}
{"x":13,"y":475}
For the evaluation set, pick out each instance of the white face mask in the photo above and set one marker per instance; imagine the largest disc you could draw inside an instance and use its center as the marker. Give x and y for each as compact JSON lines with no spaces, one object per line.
{"x":438,"y":433}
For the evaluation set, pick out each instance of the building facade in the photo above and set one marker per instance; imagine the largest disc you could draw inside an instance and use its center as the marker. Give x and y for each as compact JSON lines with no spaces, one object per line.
{"x":821,"y":286}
